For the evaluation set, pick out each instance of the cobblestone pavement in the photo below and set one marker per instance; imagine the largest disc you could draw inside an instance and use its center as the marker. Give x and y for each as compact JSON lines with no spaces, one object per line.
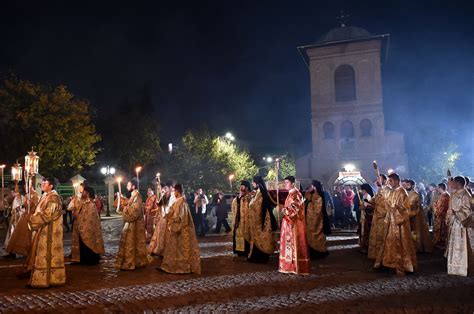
{"x":342,"y":282}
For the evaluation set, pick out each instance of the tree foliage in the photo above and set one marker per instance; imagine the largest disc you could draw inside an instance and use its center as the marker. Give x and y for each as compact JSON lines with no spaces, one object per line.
{"x":131,"y":135}
{"x":204,"y":160}
{"x":287,"y":168}
{"x":50,"y":119}
{"x":432,"y":151}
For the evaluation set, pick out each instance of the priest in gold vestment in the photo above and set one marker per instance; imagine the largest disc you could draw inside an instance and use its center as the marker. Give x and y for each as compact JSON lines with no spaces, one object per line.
{"x":132,"y":252}
{"x":317,"y":223}
{"x":181,"y":255}
{"x":460,"y":245}
{"x":398,"y":248}
{"x":45,"y":260}
{"x":419,"y":227}
{"x":151,"y":209}
{"x":87,"y":240}
{"x":157,"y":242}
{"x":20,"y":239}
{"x":378,"y":202}
{"x":262,"y":223}
{"x":440,"y":210}
{"x":240,"y":218}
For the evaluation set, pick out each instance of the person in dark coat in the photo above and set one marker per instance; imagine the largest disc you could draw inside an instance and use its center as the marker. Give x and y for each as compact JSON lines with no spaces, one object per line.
{"x":221,"y":214}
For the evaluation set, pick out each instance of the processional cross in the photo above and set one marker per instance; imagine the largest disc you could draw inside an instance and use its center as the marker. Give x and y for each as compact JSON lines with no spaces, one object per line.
{"x":342,"y":18}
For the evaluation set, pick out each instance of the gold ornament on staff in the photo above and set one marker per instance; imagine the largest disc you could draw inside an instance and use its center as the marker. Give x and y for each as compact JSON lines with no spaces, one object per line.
{"x":158,"y":185}
{"x":31,"y":170}
{"x":377,"y":172}
{"x":358,"y":195}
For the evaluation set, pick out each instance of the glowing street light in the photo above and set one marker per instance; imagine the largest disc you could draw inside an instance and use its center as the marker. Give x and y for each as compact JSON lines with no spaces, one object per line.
{"x":268,"y":159}
{"x":229,"y":136}
{"x":108,"y":172}
{"x":137,"y":171}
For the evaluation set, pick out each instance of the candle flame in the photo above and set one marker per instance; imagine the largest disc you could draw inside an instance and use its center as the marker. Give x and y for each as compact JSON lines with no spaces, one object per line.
{"x":119,"y":179}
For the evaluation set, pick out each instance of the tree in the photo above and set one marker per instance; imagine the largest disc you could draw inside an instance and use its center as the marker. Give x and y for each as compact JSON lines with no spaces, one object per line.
{"x":432,"y":151}
{"x":434,"y":168}
{"x":131,"y":134}
{"x":287,"y":168}
{"x":50,"y":119}
{"x":205,"y":160}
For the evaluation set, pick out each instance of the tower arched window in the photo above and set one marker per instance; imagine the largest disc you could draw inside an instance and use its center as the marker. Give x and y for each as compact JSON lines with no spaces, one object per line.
{"x":365,"y":127}
{"x":347,"y":129}
{"x":344,"y":83}
{"x":328,"y":130}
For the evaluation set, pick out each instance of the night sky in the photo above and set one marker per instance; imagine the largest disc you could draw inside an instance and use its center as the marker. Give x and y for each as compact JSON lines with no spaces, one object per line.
{"x":234,"y":66}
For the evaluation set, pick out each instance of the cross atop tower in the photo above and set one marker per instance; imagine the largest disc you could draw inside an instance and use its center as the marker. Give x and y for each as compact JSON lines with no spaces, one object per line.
{"x":342,"y":18}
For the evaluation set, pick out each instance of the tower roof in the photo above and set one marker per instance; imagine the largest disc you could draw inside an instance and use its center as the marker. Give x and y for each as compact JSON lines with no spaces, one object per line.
{"x":344,"y":33}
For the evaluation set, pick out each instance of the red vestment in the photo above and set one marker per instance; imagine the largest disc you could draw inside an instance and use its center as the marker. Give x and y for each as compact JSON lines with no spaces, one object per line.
{"x":294,"y":254}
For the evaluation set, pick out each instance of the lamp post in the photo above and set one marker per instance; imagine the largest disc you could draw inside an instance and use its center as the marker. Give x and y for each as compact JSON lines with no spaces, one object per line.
{"x":108,"y":171}
{"x":2,"y":167}
{"x":137,"y":171}
{"x":229,"y":136}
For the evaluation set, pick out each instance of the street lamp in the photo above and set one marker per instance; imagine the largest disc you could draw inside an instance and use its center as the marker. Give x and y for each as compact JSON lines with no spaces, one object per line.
{"x":231,"y":177}
{"x":108,"y":171}
{"x":137,"y":171}
{"x":229,"y":136}
{"x":268,"y":159}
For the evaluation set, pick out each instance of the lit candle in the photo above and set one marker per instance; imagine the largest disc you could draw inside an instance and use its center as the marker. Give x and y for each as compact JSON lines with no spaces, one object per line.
{"x":119,"y":180}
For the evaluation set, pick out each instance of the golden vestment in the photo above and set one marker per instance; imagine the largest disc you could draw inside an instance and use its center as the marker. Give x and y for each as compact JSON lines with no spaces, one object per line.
{"x":260,"y":237}
{"x":20,"y":239}
{"x":132,"y":252}
{"x":377,"y":228}
{"x":157,"y":242}
{"x":151,"y":210}
{"x":314,"y":222}
{"x":18,"y":209}
{"x":181,"y":255}
{"x":419,"y":227}
{"x":46,"y":257}
{"x":460,"y":244}
{"x":240,"y":219}
{"x":86,"y":227}
{"x":398,"y":248}
{"x":440,"y":226}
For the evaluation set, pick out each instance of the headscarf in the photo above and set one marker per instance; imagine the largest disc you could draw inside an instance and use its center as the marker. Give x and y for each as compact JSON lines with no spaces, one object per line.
{"x":267,"y":204}
{"x":320,"y":190}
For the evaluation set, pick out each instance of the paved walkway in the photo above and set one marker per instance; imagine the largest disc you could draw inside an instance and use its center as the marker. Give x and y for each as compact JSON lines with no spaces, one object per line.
{"x":343,"y":282}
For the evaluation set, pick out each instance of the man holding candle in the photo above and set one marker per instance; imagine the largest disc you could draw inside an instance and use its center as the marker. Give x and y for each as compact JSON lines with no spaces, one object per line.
{"x":181,"y":253}
{"x":132,"y":252}
{"x":87,"y":241}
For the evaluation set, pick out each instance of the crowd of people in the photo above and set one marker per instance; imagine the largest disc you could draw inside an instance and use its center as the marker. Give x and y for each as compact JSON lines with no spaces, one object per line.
{"x":393,"y":225}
